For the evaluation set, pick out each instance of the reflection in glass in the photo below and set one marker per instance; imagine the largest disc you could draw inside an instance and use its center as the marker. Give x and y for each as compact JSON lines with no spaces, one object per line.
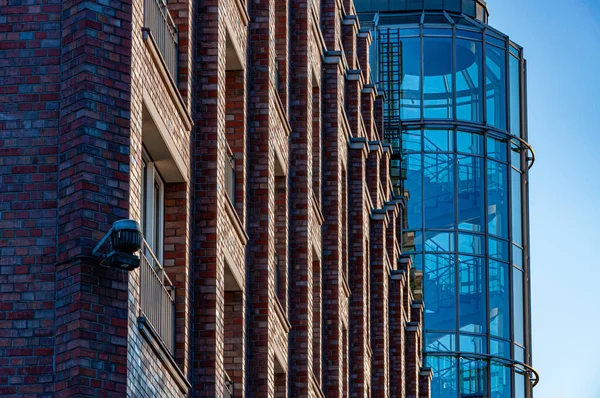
{"x":439,"y":140}
{"x":501,"y":378}
{"x":518,"y":257}
{"x":435,"y":342}
{"x":410,"y":79}
{"x":437,"y":84}
{"x":498,"y":249}
{"x":439,"y":190}
{"x":414,"y":186}
{"x":411,"y":141}
{"x":471,"y":194}
{"x":500,"y":348}
{"x":496,"y":86}
{"x":519,"y":385}
{"x":470,"y":244}
{"x":475,"y":344}
{"x":473,"y":378}
{"x":472,"y":293}
{"x":517,"y":226}
{"x":469,"y":91}
{"x":499,"y":300}
{"x":496,"y":149}
{"x":515,"y":155}
{"x":519,"y":353}
{"x":515,"y":94}
{"x":439,"y":241}
{"x":497,"y":199}
{"x":443,"y":384}
{"x":469,"y":143}
{"x":518,"y":313}
{"x":440,"y":287}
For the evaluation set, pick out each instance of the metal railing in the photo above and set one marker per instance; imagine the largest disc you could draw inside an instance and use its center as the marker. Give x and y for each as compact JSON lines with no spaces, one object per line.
{"x":164,"y":32}
{"x":157,"y":297}
{"x":228,"y":390}
{"x":230,"y":175}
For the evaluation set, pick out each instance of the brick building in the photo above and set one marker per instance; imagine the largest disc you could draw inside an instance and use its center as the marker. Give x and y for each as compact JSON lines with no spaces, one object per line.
{"x":245,"y":136}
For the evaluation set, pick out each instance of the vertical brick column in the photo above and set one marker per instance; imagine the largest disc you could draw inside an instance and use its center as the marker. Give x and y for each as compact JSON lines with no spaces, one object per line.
{"x":333,"y":139}
{"x":301,"y":214}
{"x":379,"y":304}
{"x":261,"y":200}
{"x":91,"y":305}
{"x":413,"y":349}
{"x":352,"y":103}
{"x":30,"y":49}
{"x":397,"y":324}
{"x":425,"y":377}
{"x":358,"y":228}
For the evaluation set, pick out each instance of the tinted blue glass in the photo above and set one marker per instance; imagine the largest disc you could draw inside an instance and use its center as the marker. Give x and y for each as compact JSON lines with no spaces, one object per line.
{"x":475,"y":344}
{"x":439,"y":191}
{"x":471,"y":194}
{"x":443,"y":384}
{"x":515,"y":96}
{"x":496,"y":41}
{"x":417,"y":262}
{"x":410,"y":79}
{"x":471,"y":244}
{"x":519,"y":385}
{"x":435,"y":342}
{"x":439,"y":140}
{"x":500,"y":348}
{"x":499,"y":300}
{"x":469,"y":143}
{"x":414,"y":186}
{"x":469,"y":87}
{"x":410,"y":32}
{"x":468,"y":33}
{"x":519,"y":353}
{"x":515,"y":155}
{"x":411,"y":241}
{"x":496,"y":149}
{"x":498,"y":249}
{"x":500,"y":380}
{"x":518,"y":305}
{"x":472,"y":293}
{"x":517,"y":222}
{"x":439,"y":241}
{"x":517,"y":256}
{"x":437,"y":84}
{"x":440,"y":289}
{"x":411,"y":141}
{"x":497,"y":199}
{"x":473,"y":378}
{"x":496,"y":86}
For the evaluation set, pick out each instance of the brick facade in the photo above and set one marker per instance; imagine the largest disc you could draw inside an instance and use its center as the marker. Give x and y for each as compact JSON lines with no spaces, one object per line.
{"x":277,"y":242}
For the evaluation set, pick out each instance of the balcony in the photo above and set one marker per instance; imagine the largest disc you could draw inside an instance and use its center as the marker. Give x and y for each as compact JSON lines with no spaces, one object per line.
{"x":157,"y":298}
{"x":228,"y":390}
{"x":159,"y":23}
{"x":230,"y":175}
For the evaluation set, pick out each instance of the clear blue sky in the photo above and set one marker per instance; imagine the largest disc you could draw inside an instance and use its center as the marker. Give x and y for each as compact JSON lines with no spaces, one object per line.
{"x":562,"y":46}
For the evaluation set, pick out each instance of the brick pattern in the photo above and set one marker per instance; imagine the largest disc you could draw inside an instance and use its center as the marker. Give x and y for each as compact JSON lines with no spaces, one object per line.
{"x":312,"y":199}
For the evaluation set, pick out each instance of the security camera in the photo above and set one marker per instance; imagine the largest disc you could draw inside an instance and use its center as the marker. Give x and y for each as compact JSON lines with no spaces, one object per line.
{"x":125,"y":239}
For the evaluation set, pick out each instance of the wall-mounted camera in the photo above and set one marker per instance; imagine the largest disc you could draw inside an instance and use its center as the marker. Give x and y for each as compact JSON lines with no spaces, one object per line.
{"x":125,"y":238}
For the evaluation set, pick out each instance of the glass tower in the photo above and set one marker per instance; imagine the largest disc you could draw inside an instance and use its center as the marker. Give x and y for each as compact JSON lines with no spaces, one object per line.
{"x":456,"y":117}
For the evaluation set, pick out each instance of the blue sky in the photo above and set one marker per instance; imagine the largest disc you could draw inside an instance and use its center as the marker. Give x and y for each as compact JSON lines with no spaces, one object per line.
{"x":562,"y":46}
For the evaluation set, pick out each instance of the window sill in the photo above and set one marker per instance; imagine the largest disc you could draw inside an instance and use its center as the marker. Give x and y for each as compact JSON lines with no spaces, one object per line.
{"x":163,"y":355}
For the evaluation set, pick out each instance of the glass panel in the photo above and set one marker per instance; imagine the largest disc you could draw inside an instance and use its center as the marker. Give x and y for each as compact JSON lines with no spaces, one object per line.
{"x":515,"y":155}
{"x":439,"y":191}
{"x":517,"y":227}
{"x":500,"y":348}
{"x":472,"y":306}
{"x":518,"y":304}
{"x":499,"y":249}
{"x":473,"y":378}
{"x":469,"y":143}
{"x":515,"y":96}
{"x":439,"y":242}
{"x":411,"y":141}
{"x":500,"y":377}
{"x":417,"y":262}
{"x":410,"y":32}
{"x":411,"y":241}
{"x":496,"y":86}
{"x":467,"y":33}
{"x":497,"y":199}
{"x":496,"y":41}
{"x":436,"y":32}
{"x":517,"y":256}
{"x":410,"y":80}
{"x":435,"y":342}
{"x":471,"y":244}
{"x":437,"y":85}
{"x":519,"y":354}
{"x":471,"y":194}
{"x":496,"y":149}
{"x":476,"y":344}
{"x":443,"y":384}
{"x":519,"y":385}
{"x":469,"y":93}
{"x":414,"y":186}
{"x":439,"y":140}
{"x":499,"y":301}
{"x":440,"y":290}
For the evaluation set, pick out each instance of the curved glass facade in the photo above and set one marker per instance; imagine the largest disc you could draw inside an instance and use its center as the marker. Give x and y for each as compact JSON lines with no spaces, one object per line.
{"x":456,"y":117}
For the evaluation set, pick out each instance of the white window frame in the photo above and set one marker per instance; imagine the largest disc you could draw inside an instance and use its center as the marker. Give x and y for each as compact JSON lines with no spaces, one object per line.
{"x":153,"y":228}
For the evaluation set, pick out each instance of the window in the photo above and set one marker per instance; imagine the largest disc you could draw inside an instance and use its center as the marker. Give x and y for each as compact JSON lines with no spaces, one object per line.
{"x":152,"y":202}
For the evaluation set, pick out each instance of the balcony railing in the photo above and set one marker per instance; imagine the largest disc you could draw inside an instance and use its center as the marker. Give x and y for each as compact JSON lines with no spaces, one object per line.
{"x":228,"y":390}
{"x":230,"y":175}
{"x":158,"y":20}
{"x":157,"y":297}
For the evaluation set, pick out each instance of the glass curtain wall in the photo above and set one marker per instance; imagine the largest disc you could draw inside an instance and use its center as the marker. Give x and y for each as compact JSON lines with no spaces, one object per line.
{"x":454,"y":112}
